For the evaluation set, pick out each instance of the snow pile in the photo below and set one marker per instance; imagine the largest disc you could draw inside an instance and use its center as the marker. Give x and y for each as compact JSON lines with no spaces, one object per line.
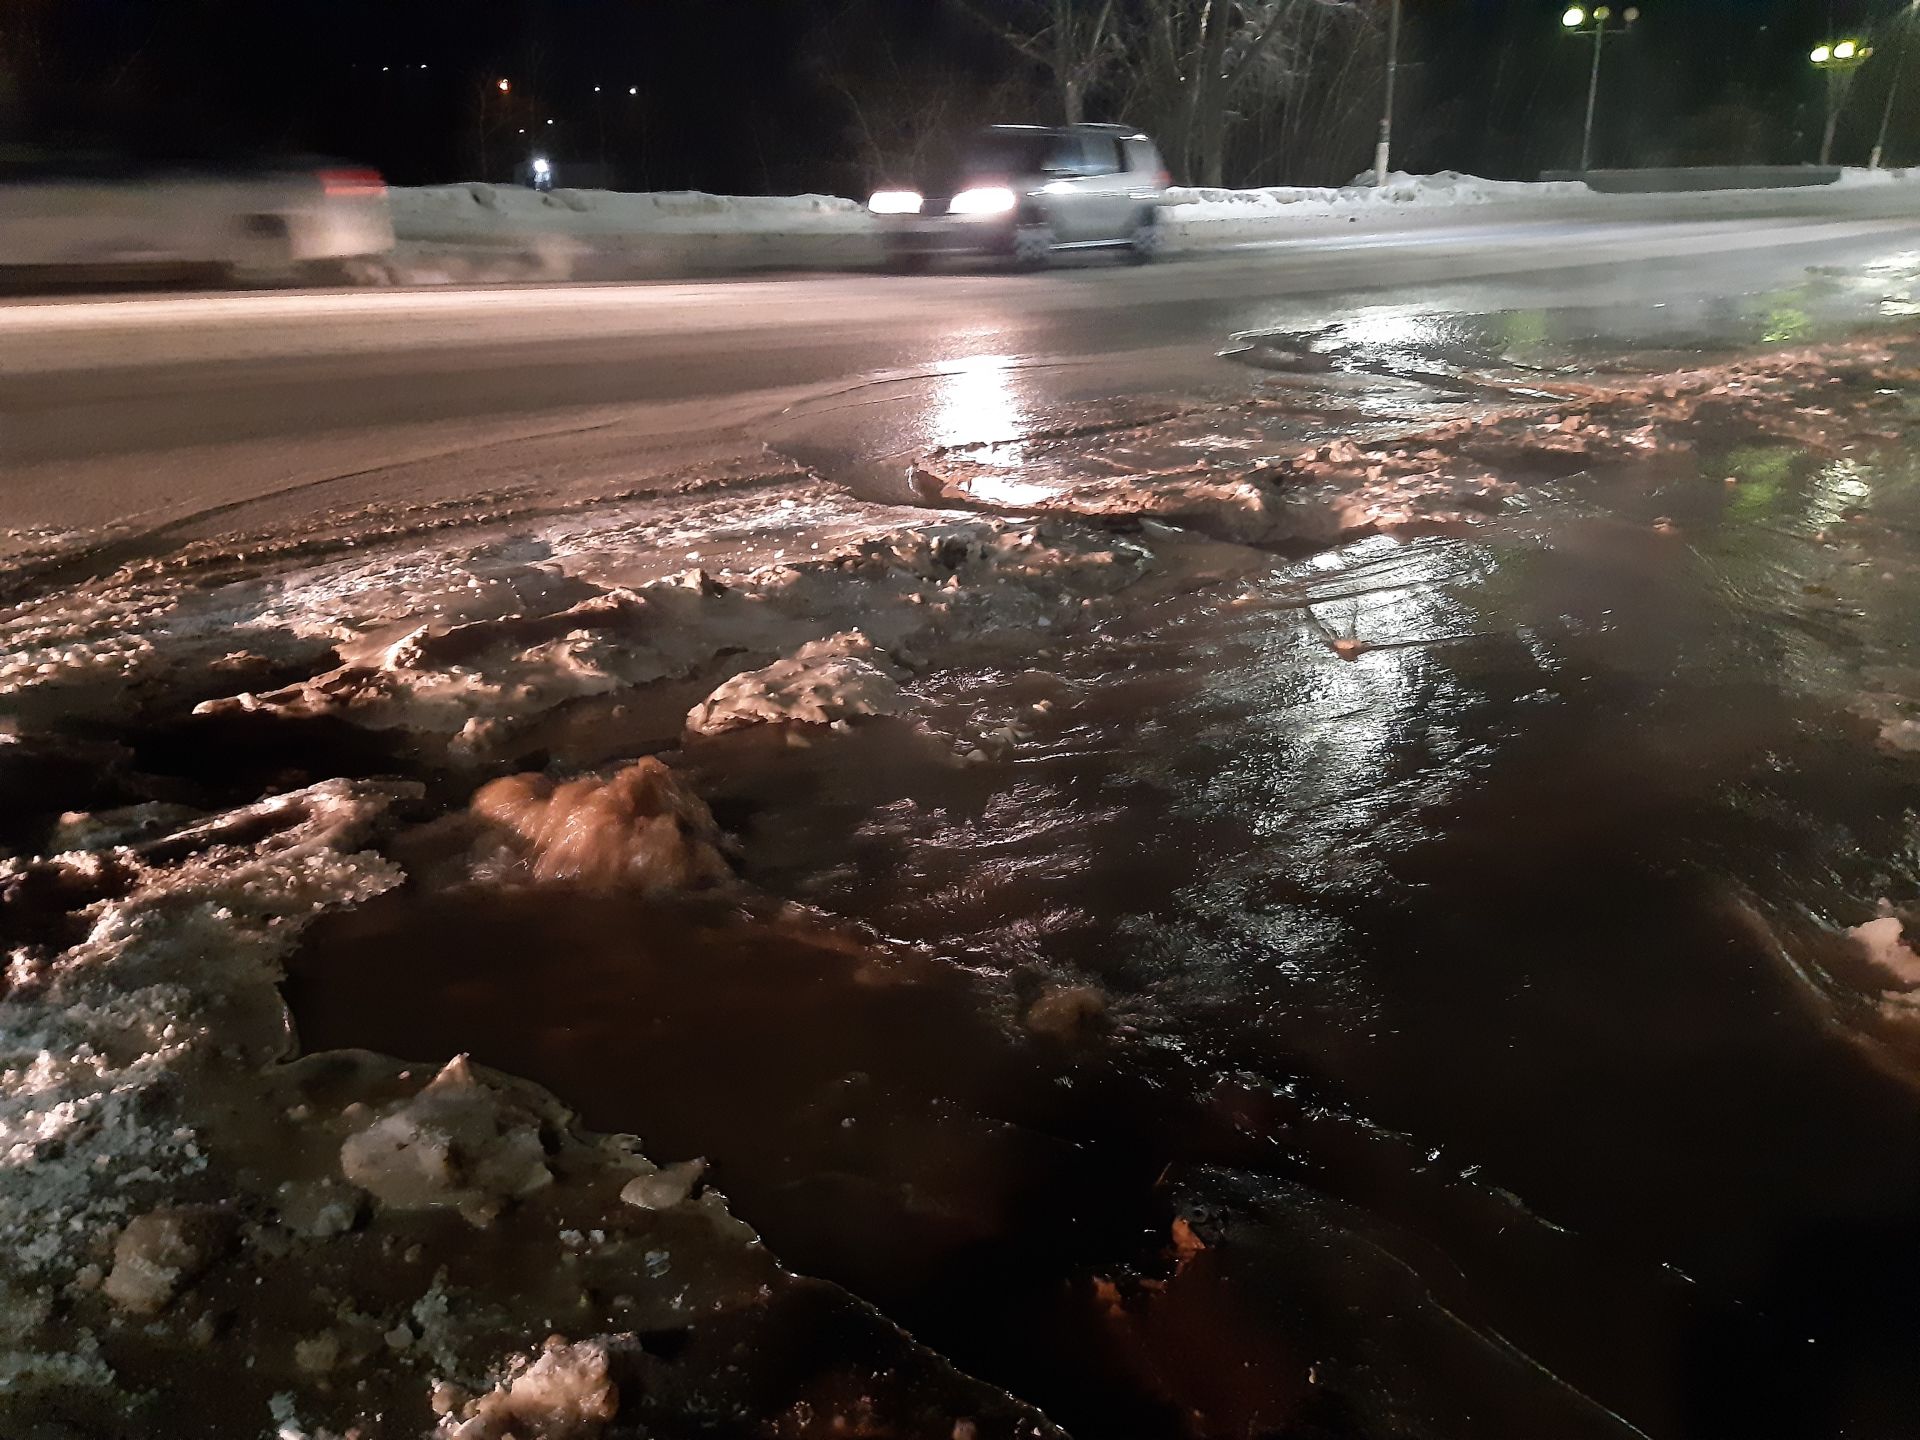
{"x":1447,"y":187}
{"x":438,"y":212}
{"x":478,"y":683}
{"x":643,"y":828}
{"x":1856,"y":177}
{"x":824,"y":682}
{"x":458,"y":1143}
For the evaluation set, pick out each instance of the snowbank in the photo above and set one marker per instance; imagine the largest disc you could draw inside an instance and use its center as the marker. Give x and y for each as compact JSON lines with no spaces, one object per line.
{"x":1855,"y":177}
{"x":469,"y":232}
{"x":461,"y":211}
{"x":1448,"y":187}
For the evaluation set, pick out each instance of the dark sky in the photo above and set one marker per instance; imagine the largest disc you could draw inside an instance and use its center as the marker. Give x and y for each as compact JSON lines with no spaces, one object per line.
{"x":751,"y":95}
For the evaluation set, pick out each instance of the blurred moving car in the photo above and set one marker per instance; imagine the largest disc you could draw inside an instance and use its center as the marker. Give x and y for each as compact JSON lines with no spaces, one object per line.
{"x":1025,"y":191}
{"x":254,"y":222}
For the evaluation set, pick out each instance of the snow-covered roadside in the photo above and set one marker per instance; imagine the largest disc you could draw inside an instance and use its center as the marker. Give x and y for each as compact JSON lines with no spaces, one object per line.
{"x":478,"y":232}
{"x":463,"y":233}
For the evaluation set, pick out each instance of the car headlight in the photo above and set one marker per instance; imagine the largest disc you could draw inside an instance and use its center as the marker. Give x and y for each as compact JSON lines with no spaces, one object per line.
{"x":983,"y":200}
{"x":894,"y":202}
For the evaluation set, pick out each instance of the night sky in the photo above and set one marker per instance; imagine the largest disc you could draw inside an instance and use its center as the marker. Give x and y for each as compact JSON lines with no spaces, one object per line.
{"x":753,"y":95}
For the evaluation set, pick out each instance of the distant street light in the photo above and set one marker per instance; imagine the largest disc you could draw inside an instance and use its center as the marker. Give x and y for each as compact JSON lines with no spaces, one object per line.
{"x":1579,"y":21}
{"x":1839,"y":59}
{"x":503,"y":86}
{"x":633,"y":89}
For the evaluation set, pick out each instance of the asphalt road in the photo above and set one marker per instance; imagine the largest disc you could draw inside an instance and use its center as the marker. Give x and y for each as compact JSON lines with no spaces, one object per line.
{"x":194,"y":414}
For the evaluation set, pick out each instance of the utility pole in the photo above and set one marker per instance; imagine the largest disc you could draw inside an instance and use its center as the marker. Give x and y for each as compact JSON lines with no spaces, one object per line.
{"x":1580,"y":21}
{"x":1893,"y":84}
{"x":1382,"y":151}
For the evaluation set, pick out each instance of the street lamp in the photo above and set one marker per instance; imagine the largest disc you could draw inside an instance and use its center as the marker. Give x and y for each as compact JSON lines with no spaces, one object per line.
{"x":1839,"y":59}
{"x":1595,"y":22}
{"x":503,"y":85}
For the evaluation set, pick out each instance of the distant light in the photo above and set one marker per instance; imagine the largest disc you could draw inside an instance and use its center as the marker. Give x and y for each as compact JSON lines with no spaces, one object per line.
{"x":1574,"y":18}
{"x":633,"y":89}
{"x":1844,"y":50}
{"x":385,"y":68}
{"x":1633,"y":14}
{"x":1822,"y":54}
{"x":983,"y":200}
{"x":503,"y":86}
{"x":521,"y":131}
{"x":596,"y":89}
{"x":895,"y":202}
{"x":1601,"y":12}
{"x":423,"y":65}
{"x":542,"y":165}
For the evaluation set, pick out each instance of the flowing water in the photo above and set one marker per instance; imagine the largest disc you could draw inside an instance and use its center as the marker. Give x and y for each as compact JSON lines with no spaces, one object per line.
{"x":1442,"y":1027}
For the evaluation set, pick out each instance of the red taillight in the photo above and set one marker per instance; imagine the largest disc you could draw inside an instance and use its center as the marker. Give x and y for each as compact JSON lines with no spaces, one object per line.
{"x":1166,"y":178}
{"x":344,"y":184}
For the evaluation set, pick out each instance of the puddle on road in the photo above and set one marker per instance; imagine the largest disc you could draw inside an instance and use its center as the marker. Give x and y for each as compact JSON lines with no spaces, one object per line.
{"x":1495,"y":908}
{"x":1387,"y":988}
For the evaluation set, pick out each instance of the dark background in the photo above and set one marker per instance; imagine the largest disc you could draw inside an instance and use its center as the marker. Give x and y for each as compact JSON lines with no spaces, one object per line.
{"x":784,"y":95}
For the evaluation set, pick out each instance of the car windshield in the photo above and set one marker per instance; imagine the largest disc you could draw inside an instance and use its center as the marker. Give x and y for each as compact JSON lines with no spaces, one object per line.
{"x":988,"y":155}
{"x":1002,"y":153}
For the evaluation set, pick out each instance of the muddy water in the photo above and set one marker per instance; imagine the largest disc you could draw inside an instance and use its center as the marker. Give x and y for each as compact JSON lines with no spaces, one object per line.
{"x":1476,"y":1059}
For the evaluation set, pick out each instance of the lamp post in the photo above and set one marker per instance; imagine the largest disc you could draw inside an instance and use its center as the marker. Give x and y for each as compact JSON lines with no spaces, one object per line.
{"x":1580,"y":21}
{"x":1838,"y":59}
{"x":1893,"y":84}
{"x":1381,"y":150}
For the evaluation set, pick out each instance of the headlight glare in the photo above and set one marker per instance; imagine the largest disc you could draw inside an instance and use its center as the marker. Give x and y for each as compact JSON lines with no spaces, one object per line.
{"x":983,"y":200}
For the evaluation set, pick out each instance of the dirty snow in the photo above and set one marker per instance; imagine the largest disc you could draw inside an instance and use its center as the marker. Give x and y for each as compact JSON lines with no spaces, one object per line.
{"x":824,"y":682}
{"x":642,"y":827}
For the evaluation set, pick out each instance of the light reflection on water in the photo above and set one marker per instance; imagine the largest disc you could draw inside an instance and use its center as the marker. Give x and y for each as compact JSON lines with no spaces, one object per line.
{"x":1477,"y":930}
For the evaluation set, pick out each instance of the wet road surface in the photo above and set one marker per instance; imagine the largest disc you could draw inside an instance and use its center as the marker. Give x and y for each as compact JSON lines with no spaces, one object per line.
{"x":206,"y":413}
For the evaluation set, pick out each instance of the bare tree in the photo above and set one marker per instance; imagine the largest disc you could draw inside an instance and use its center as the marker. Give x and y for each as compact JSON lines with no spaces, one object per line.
{"x":904,"y":117}
{"x":1201,"y":66}
{"x":1075,"y":41}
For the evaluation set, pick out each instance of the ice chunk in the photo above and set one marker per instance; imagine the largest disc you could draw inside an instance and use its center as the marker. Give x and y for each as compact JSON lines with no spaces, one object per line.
{"x":459,"y":1143}
{"x":1885,"y":947}
{"x":567,"y":1394}
{"x":643,"y":827}
{"x":1066,"y":1012}
{"x":162,"y":1252}
{"x":836,"y":678}
{"x":319,"y":1210}
{"x":666,"y":1187}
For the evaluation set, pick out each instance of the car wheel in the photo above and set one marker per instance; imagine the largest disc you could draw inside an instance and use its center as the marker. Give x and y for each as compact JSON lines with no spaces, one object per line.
{"x":1033,"y":246}
{"x":1144,"y":243}
{"x":262,"y":253}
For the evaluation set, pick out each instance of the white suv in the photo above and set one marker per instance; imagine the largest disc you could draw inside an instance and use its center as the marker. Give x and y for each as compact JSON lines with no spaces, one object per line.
{"x":1025,"y":191}
{"x":264,"y":222}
